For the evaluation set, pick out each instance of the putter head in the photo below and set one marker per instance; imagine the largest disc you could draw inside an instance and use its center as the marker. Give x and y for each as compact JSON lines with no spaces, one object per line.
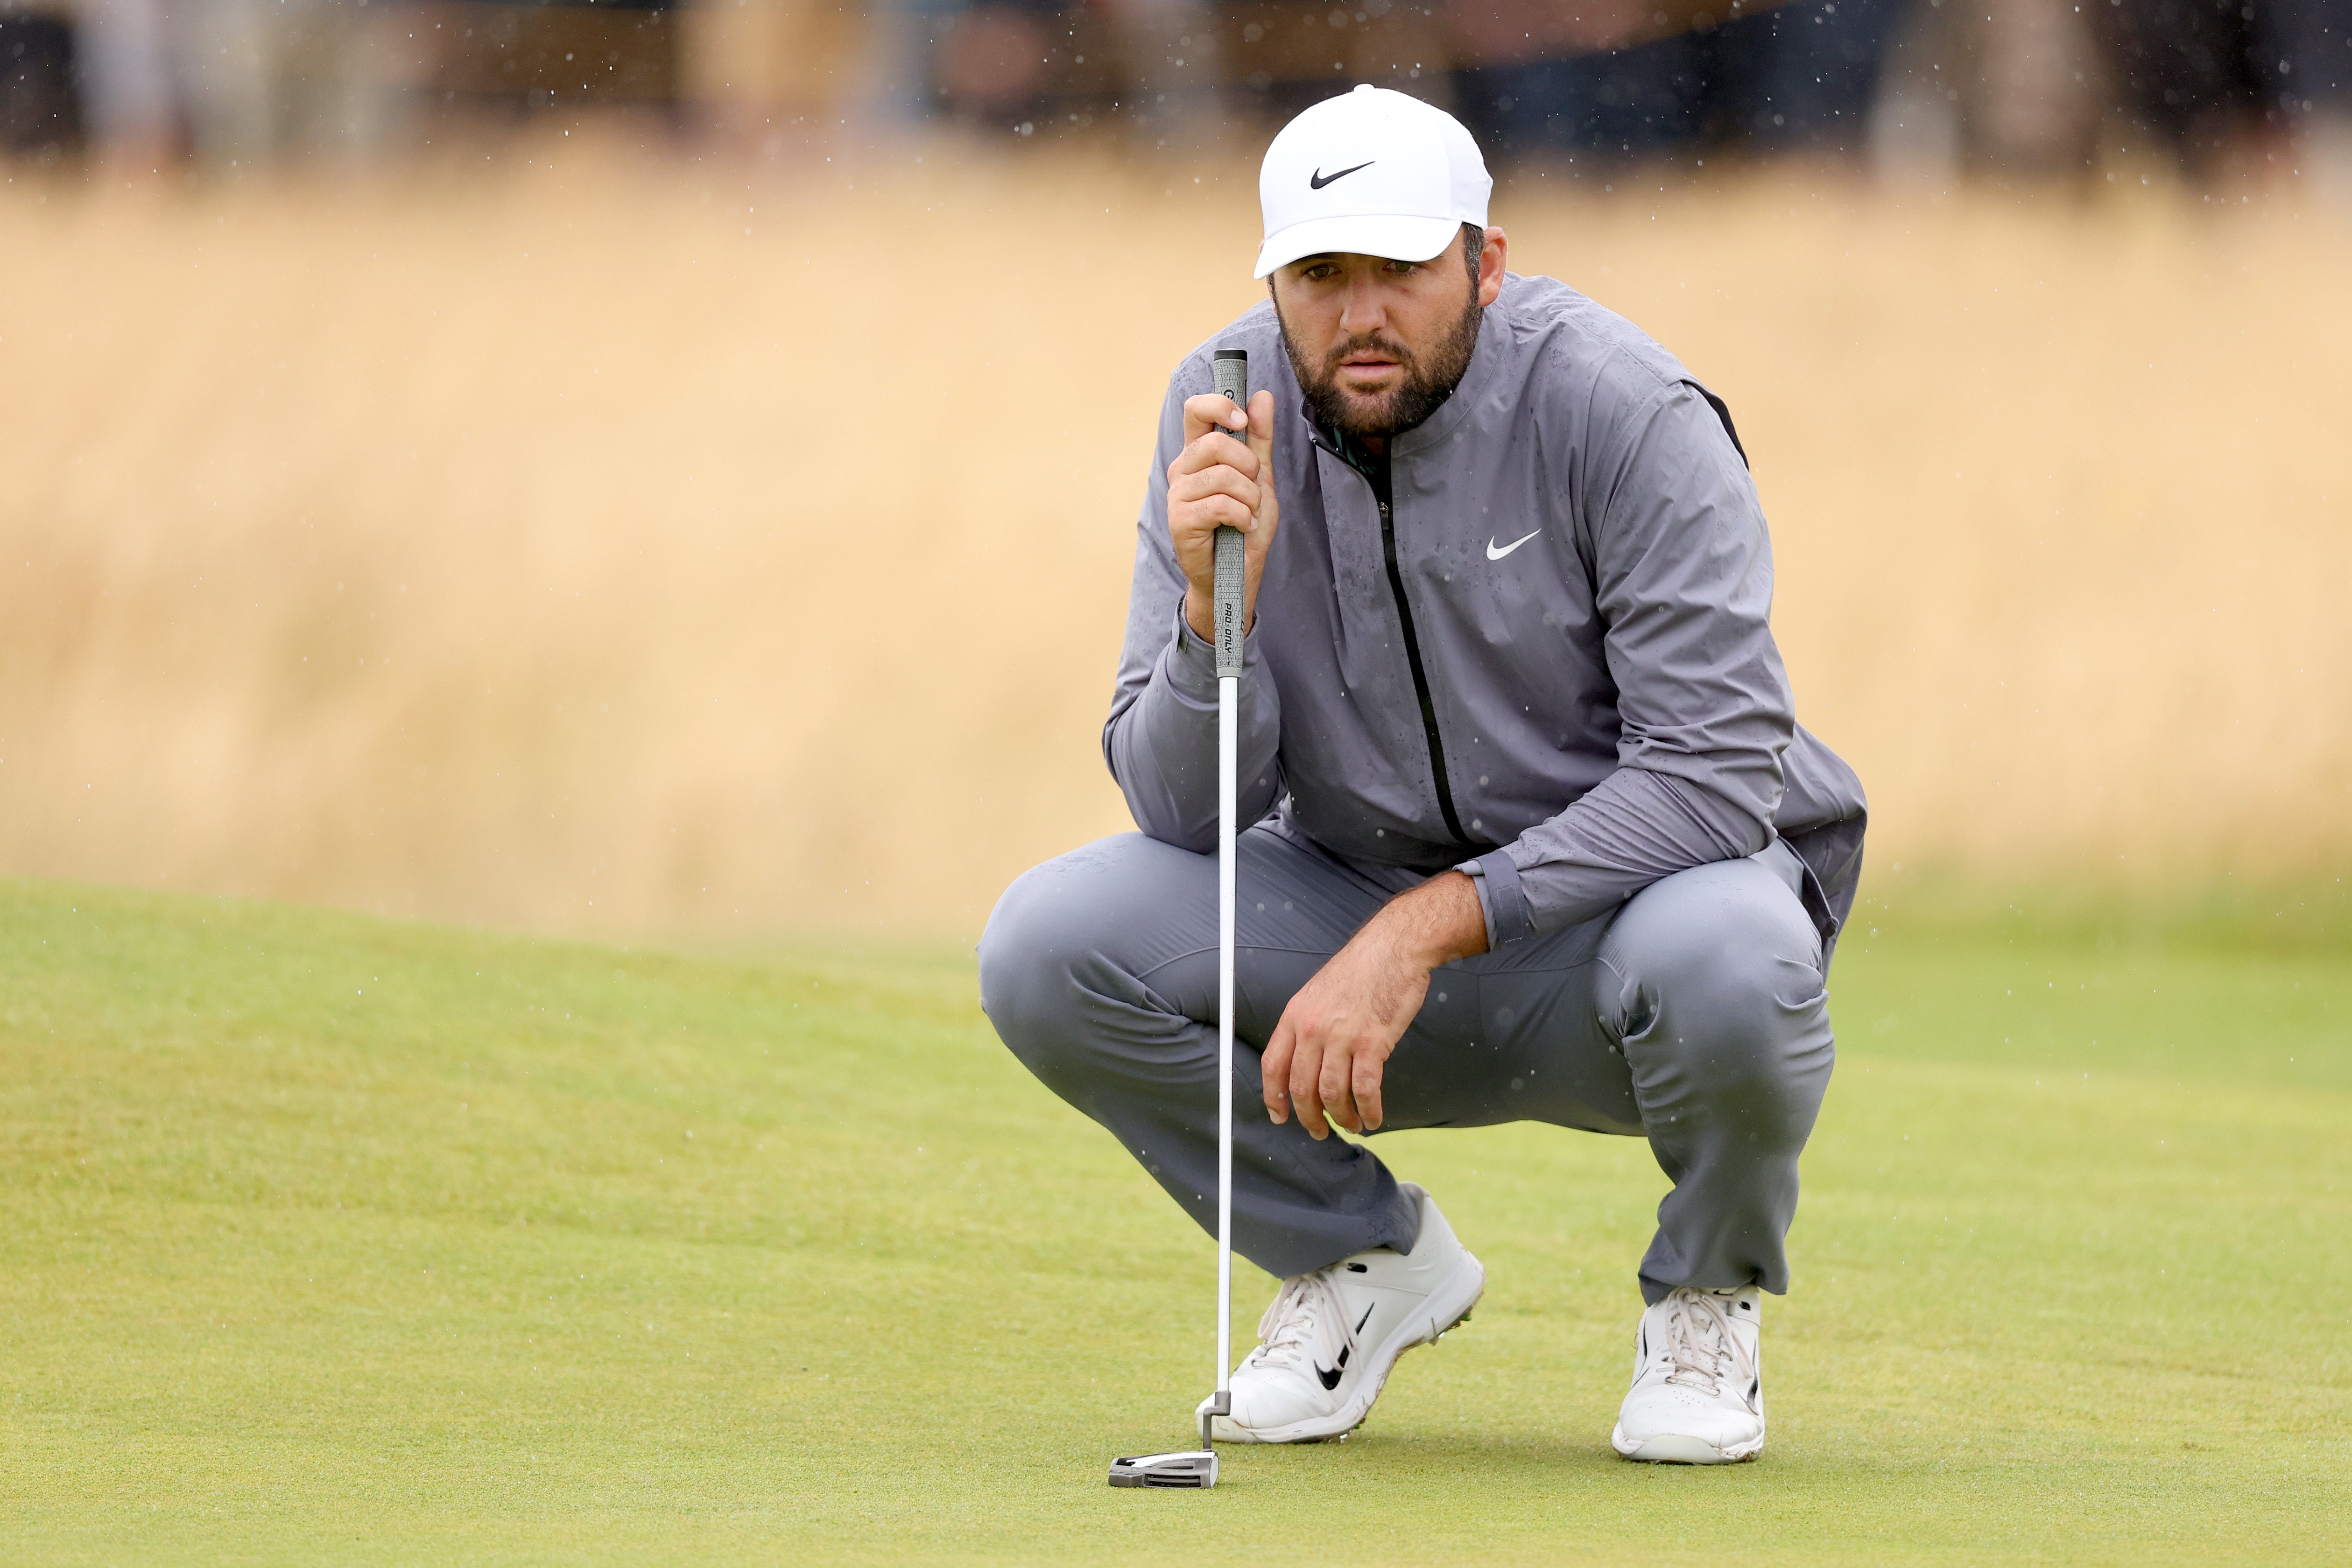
{"x":1192,"y":1469}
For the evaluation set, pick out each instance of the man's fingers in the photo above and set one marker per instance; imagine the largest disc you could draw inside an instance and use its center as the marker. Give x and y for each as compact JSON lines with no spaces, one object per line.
{"x":1213,"y":448}
{"x":1214,"y":511}
{"x":1222,"y":480}
{"x":1305,"y":1075}
{"x":1274,"y":1072}
{"x":1217,"y":449}
{"x":1366,"y":1075}
{"x":1210,"y":411}
{"x":1205,"y":412}
{"x":1334,"y":1089}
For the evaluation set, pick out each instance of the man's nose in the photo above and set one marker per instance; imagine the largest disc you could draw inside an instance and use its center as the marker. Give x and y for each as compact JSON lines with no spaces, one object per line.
{"x":1362,"y":310}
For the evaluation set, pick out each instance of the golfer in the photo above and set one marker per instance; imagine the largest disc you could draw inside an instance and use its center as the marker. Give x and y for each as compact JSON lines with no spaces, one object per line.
{"x":1537,"y":835}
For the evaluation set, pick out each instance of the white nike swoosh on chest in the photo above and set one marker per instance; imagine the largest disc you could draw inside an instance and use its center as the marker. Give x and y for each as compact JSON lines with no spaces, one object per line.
{"x":1494,"y":553}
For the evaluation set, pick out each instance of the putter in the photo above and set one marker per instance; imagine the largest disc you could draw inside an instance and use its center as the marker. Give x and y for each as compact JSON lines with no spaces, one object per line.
{"x":1199,"y":1468}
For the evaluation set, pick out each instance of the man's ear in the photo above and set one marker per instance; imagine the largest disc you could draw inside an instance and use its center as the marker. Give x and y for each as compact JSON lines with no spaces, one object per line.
{"x":1491,"y":262}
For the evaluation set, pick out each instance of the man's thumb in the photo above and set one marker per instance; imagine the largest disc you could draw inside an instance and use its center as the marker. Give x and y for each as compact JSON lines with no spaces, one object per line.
{"x":1261,"y":424}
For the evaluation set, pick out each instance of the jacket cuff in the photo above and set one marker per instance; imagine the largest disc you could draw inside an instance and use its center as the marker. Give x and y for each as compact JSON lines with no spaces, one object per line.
{"x":1192,"y":663}
{"x":1501,"y":899}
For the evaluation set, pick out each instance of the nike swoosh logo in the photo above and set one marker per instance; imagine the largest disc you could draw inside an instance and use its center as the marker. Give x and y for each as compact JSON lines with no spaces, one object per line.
{"x":1319,"y":179}
{"x":1330,"y":1375}
{"x":1494,"y":552}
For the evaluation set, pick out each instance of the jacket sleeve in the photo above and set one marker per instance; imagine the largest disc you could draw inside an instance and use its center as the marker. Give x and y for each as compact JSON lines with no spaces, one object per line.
{"x":1161,"y":740}
{"x":1682,"y":576}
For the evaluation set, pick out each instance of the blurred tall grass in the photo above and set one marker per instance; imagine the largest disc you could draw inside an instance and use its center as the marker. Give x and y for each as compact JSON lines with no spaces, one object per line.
{"x":592,"y":543}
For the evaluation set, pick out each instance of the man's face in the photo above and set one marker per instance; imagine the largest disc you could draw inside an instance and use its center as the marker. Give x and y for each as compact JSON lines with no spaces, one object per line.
{"x":1378,"y":344}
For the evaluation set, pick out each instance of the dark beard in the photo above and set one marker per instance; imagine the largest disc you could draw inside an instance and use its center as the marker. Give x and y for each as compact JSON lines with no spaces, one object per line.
{"x":1427,"y":382}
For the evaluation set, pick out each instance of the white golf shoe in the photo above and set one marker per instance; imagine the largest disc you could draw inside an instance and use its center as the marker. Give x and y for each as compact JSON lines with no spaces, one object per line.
{"x":1698,"y":1381}
{"x":1325,"y":1345}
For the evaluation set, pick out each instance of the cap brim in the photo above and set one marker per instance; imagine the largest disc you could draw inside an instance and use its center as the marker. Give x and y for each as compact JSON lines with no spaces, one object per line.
{"x":1399,"y":239}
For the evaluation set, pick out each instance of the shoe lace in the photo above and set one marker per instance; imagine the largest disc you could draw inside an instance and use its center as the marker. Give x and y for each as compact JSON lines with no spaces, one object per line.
{"x":1308,"y":1321}
{"x":1700,"y":1343}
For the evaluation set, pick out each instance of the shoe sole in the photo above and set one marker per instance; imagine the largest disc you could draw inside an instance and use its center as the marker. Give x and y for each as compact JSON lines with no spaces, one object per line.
{"x":1666,"y":1450}
{"x":1448,"y":1307}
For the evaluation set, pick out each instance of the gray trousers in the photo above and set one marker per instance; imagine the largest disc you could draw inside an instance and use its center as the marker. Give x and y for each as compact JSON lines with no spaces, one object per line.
{"x":1695,"y":1015}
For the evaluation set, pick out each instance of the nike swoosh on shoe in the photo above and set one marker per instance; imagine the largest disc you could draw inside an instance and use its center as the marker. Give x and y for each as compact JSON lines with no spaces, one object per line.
{"x":1330,"y":1375}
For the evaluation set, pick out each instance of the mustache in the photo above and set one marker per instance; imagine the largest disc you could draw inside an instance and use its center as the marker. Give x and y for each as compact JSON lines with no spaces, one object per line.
{"x":1369,"y":342}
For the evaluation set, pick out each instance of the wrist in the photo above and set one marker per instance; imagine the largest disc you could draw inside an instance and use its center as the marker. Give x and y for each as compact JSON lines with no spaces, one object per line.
{"x":1200,"y":614}
{"x":1436,"y":923}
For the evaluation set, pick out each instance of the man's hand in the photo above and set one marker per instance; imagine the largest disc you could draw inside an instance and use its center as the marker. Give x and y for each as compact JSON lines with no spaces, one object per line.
{"x":1332,"y":1045}
{"x":1221,"y":480}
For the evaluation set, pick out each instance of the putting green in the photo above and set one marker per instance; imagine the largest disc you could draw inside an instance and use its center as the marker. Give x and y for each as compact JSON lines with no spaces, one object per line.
{"x":329,"y":1239}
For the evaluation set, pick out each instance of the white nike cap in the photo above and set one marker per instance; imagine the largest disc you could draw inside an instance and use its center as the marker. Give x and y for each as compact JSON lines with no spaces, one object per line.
{"x":1375,"y":171}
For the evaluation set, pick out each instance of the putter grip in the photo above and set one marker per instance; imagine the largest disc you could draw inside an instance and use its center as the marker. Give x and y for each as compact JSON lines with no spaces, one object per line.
{"x":1231,"y":368}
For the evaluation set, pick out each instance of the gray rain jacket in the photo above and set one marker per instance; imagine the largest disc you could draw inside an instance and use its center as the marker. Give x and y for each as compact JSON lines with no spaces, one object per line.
{"x":1546,"y":662}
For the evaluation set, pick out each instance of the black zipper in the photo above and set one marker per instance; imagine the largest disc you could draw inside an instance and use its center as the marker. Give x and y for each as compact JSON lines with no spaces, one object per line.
{"x":1376,"y":473}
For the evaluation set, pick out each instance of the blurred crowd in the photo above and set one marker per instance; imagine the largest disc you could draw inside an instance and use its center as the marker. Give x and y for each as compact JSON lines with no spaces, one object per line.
{"x":2044,"y":87}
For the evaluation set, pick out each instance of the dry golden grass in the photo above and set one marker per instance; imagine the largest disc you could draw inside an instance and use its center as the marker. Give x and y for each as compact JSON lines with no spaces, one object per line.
{"x":595,"y":544}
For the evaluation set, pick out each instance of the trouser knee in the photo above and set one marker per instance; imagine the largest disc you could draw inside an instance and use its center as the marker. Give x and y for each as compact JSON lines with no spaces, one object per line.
{"x":1027,"y":963}
{"x":1049,"y":974}
{"x":1721,"y":1007}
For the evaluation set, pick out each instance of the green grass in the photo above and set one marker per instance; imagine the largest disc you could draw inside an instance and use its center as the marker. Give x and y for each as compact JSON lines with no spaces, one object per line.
{"x":328,"y":1239}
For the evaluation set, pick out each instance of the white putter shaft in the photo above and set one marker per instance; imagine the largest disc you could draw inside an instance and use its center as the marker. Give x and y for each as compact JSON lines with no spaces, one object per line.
{"x":1232,"y":371}
{"x":1200,"y":1468}
{"x":1228,"y":742}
